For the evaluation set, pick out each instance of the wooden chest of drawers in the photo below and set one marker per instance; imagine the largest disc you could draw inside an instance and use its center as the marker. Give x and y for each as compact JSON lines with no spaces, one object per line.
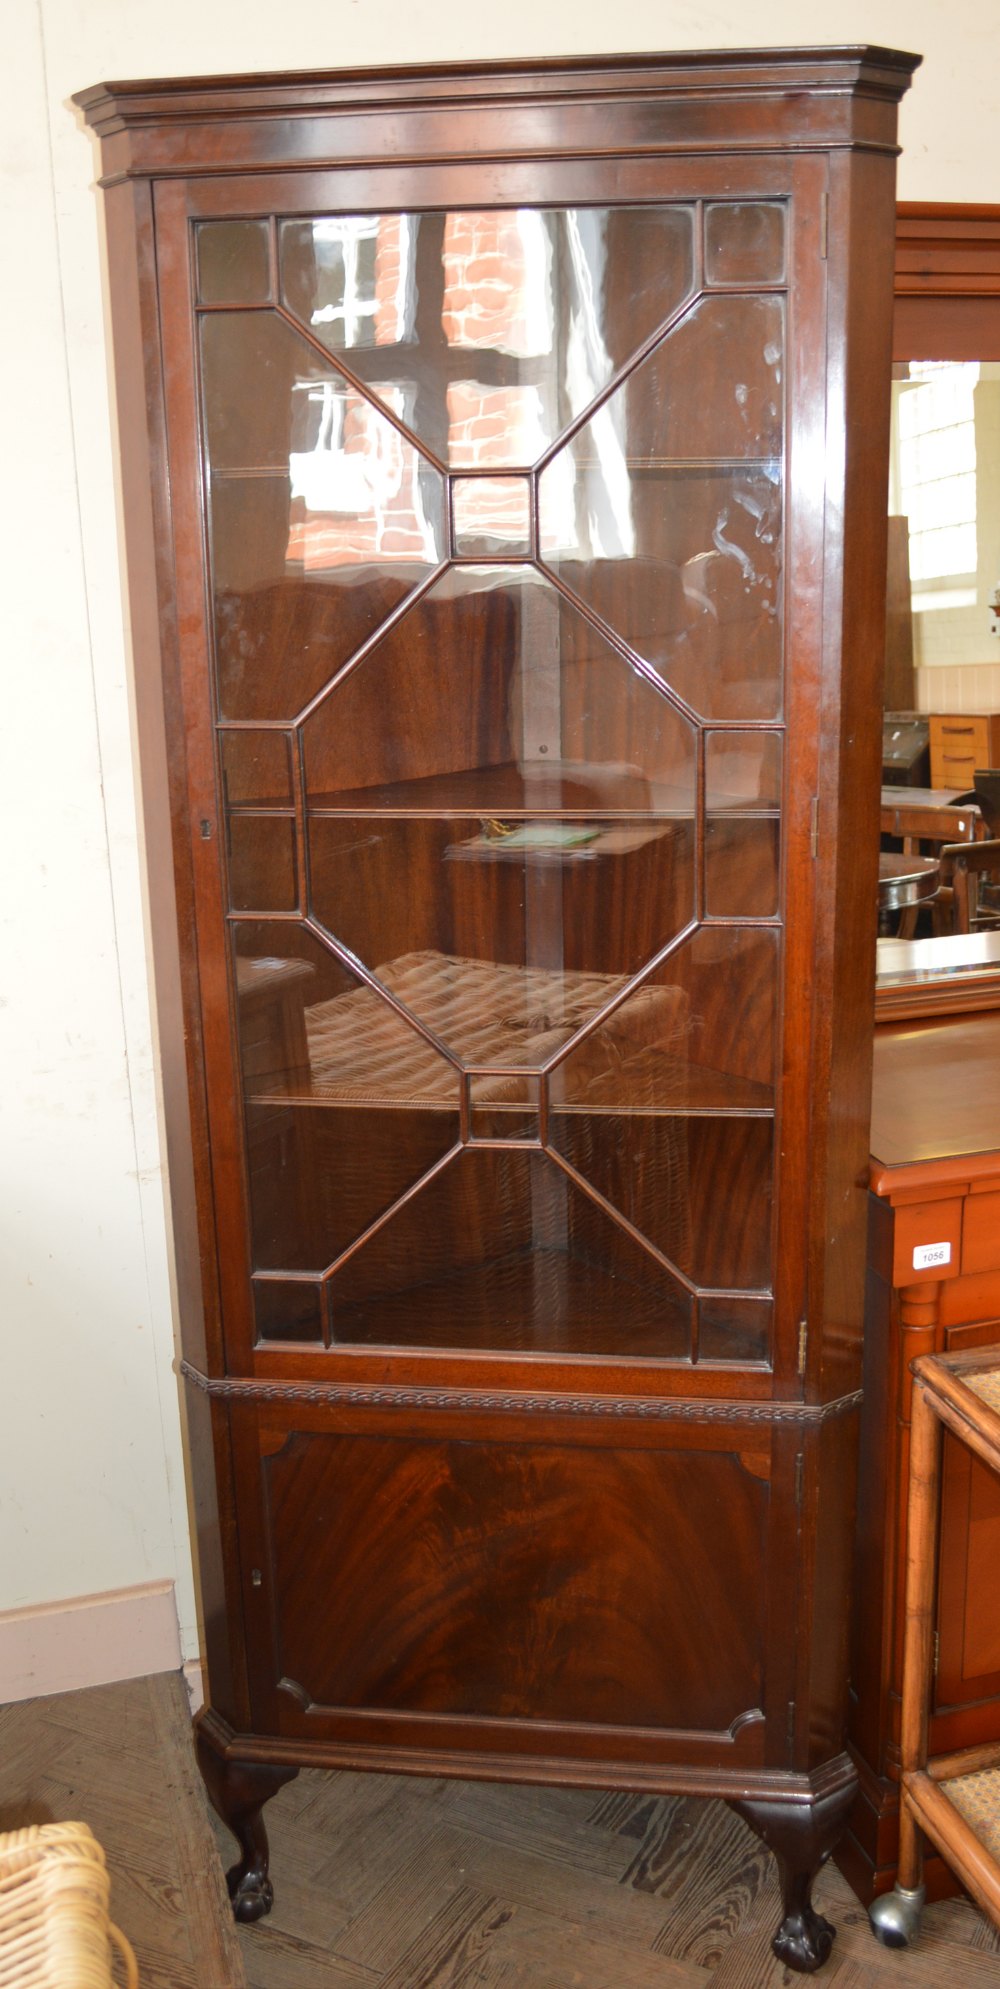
{"x":961,"y":742}
{"x":933,"y":1287}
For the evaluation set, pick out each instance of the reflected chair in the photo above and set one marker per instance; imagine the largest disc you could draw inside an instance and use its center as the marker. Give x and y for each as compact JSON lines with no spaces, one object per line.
{"x":930,"y":831}
{"x":986,"y":786}
{"x":970,"y":873}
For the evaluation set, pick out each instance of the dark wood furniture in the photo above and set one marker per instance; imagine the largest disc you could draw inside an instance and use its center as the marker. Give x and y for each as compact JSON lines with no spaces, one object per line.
{"x":947,"y":281}
{"x":924,"y":816}
{"x":952,"y":1799}
{"x":933,"y":1288}
{"x":502,"y":452}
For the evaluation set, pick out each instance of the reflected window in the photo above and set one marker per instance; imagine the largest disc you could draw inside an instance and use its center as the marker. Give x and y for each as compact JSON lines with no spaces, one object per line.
{"x":935,"y":477}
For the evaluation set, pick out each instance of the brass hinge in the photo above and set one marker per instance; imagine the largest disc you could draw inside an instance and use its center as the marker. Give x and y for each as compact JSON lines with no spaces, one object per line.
{"x":790,"y":1725}
{"x":937,"y":1651}
{"x":824,"y":227}
{"x":800,"y":1472}
{"x":814,"y":826}
{"x":803,"y":1344}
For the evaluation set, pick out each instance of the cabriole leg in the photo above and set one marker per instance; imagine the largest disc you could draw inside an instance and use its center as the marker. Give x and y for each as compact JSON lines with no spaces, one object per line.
{"x":801,"y":1835}
{"x":238,"y":1791}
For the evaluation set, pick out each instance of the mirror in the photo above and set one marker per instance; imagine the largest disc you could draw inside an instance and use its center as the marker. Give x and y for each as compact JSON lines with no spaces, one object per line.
{"x":943,"y":643}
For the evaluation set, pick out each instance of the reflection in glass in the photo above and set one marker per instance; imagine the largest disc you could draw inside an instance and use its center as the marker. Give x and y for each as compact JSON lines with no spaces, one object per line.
{"x":664,"y":512}
{"x":491,"y":515}
{"x":501,"y":1250}
{"x":496,"y":327}
{"x":324,"y":517}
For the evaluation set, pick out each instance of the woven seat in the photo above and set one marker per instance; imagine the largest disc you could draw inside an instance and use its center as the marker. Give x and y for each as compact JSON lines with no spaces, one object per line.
{"x":487,"y":1014}
{"x":55,"y":1932}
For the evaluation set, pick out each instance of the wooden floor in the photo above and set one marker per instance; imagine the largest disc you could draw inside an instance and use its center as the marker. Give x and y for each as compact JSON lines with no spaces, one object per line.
{"x":395,"y":1883}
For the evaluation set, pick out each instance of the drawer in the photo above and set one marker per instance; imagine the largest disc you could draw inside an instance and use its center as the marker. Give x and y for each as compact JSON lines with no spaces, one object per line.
{"x":981,"y":1233}
{"x":961,"y":742}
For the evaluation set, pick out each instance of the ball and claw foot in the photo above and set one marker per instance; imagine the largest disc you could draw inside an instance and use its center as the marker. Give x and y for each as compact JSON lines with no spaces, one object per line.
{"x":895,"y":1916}
{"x":251,"y":1894}
{"x":804,"y":1939}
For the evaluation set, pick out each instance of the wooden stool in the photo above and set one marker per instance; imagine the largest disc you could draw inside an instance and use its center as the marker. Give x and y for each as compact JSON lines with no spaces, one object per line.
{"x":54,"y":1927}
{"x":954,"y":1799}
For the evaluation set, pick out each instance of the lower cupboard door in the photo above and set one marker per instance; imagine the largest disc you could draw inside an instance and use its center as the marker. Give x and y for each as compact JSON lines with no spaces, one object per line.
{"x":512,"y":1594}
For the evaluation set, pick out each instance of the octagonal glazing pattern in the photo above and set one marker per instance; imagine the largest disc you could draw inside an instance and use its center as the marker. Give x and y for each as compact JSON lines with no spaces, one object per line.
{"x":492,"y":328}
{"x":663,"y":512}
{"x":324,"y":517}
{"x":346,"y":1106}
{"x":505,"y":871}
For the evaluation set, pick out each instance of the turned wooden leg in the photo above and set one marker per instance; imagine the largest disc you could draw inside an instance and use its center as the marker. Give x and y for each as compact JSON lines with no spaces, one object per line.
{"x":801,"y":1835}
{"x":238,"y":1791}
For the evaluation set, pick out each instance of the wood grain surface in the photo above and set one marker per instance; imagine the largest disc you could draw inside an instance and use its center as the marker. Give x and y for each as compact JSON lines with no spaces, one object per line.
{"x":397,"y":1883}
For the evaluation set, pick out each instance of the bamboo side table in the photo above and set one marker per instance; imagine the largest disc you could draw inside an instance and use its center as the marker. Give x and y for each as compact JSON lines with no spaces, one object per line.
{"x":954,"y":1799}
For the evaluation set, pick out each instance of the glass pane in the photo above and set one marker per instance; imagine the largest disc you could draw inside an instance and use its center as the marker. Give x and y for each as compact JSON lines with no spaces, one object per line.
{"x":697,"y":1188}
{"x":735,"y":1329}
{"x":319,"y":1175}
{"x":697,"y":1035}
{"x":502,"y":1251}
{"x":311,"y":1030}
{"x":316,"y":1045}
{"x":730,"y":1185}
{"x":234,"y":263}
{"x":742,"y":833}
{"x":323,"y":516}
{"x":744,"y":242}
{"x":287,"y":1310}
{"x":491,"y":329}
{"x":256,"y":768}
{"x":664,"y":512}
{"x":505,"y":1105}
{"x":502,"y":950}
{"x":492,"y":694}
{"x":262,"y":868}
{"x":491,"y":515}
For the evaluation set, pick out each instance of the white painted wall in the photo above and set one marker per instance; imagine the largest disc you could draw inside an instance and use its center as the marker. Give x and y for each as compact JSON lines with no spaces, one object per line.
{"x":91,"y":1491}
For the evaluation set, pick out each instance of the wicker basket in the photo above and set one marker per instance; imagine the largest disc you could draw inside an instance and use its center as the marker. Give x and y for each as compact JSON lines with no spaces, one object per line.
{"x":54,"y":1927}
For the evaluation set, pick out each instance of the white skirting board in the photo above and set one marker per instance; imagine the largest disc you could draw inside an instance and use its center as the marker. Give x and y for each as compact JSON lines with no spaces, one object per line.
{"x":88,"y":1640}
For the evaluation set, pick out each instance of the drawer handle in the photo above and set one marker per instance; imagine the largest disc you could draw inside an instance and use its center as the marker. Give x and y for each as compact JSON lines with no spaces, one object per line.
{"x":957,"y":759}
{"x":959,"y":731}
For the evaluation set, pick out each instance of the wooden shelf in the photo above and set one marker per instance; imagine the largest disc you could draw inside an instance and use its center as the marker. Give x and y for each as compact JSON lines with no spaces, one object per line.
{"x":532,"y":1301}
{"x":694,"y":1092}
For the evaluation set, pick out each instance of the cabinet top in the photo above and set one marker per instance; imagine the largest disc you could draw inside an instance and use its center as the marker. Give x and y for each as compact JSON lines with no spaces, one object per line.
{"x":689,"y":100}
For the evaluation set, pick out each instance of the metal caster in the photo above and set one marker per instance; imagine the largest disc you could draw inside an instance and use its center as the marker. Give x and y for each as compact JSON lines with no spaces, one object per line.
{"x":895,"y":1916}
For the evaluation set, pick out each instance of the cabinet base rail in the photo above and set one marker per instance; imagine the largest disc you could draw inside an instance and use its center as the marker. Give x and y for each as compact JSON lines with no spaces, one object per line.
{"x":799,"y":1817}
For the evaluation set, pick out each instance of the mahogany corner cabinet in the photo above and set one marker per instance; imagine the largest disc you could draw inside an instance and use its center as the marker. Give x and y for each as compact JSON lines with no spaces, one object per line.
{"x":504,"y":464}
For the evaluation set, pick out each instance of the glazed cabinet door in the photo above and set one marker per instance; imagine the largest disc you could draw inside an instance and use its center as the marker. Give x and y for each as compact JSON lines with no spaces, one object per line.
{"x":491,"y":740}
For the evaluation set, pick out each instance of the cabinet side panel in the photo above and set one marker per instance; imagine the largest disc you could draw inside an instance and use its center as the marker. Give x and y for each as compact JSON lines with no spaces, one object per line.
{"x":862,"y":219}
{"x":141,"y":440}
